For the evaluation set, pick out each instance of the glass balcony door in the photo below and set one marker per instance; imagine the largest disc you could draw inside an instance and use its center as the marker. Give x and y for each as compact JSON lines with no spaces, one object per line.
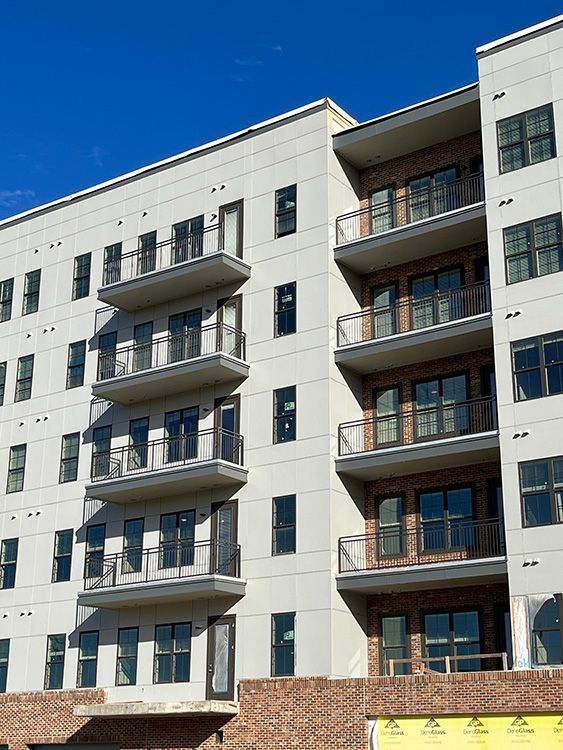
{"x":384,"y":311}
{"x":440,"y":407}
{"x":432,"y":194}
{"x":433,"y":301}
{"x":181,"y":429}
{"x":185,"y":335}
{"x":177,"y":534}
{"x":142,"y":353}
{"x":187,"y":240}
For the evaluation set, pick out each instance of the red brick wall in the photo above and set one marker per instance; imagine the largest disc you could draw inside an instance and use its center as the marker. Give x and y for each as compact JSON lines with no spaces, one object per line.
{"x":283,"y":714}
{"x":477,"y":475}
{"x":399,"y":171}
{"x":464,"y":257}
{"x":414,"y":604}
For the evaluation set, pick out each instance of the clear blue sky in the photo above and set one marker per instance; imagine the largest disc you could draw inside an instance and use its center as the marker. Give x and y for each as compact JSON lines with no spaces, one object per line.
{"x":92,"y":89}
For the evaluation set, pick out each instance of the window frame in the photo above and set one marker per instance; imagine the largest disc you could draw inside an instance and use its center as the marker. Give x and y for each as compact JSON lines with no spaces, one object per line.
{"x":172,"y":653}
{"x":541,"y":366}
{"x":291,"y":415}
{"x":69,"y":460}
{"x":80,"y":278}
{"x":284,"y":312}
{"x":522,"y":117}
{"x":99,"y":551}
{"x":284,"y":526}
{"x":541,"y":665}
{"x":451,"y":612}
{"x":533,"y":249}
{"x":382,"y":649}
{"x":285,"y":212}
{"x":6,"y":303}
{"x":56,"y":557}
{"x":446,"y":519}
{"x":24,"y":385}
{"x":12,"y":563}
{"x":119,"y":659}
{"x":31,"y":298}
{"x":48,"y":663}
{"x":17,"y":470}
{"x":274,"y":646}
{"x":80,"y":367}
{"x":81,"y":659}
{"x":550,"y":489}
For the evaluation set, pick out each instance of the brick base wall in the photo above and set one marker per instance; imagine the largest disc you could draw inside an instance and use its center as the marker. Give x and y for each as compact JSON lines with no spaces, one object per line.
{"x":288,"y":714}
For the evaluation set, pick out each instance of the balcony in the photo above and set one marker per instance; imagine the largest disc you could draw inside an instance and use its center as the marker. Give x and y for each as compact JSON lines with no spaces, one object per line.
{"x":416,"y":330}
{"x":437,"y":554}
{"x":171,"y":572}
{"x":446,"y":435}
{"x":411,"y":226}
{"x":172,"y":364}
{"x":168,"y":270}
{"x":208,"y":459}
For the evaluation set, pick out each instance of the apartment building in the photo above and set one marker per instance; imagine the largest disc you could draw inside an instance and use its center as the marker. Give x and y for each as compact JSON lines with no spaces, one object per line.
{"x":280,"y":422}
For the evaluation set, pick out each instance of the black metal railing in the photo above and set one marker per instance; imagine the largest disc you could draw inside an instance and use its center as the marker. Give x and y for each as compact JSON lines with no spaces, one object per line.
{"x":414,"y":314}
{"x":167,"y":453}
{"x":171,"y":349}
{"x":419,"y":425}
{"x":169,"y":561}
{"x":166,"y":254}
{"x":411,"y":207}
{"x":437,"y":540}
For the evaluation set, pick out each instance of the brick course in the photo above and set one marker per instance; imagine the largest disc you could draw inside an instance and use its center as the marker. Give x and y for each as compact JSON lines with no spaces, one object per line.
{"x":283,"y":714}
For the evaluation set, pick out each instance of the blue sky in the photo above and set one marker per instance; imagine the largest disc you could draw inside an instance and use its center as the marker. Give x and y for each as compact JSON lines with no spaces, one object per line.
{"x":94,"y":89}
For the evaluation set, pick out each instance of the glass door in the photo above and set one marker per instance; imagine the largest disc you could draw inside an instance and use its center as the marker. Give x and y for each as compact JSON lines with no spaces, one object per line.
{"x":187,"y":240}
{"x":422,"y":311}
{"x":384,"y":311}
{"x":221,"y":658}
{"x":387,"y":427}
{"x":382,"y":214}
{"x":440,"y":406}
{"x":177,"y":534}
{"x":142,"y":353}
{"x":185,"y":335}
{"x":138,"y":443}
{"x":450,"y":303}
{"x":432,"y":194}
{"x":146,"y":258}
{"x":230,"y":325}
{"x":230,"y":221}
{"x":224,"y":538}
{"x":227,"y":422}
{"x":181,"y":429}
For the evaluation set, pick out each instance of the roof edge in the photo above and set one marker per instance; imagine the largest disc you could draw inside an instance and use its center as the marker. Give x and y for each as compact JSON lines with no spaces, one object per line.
{"x":520,"y":36}
{"x":170,"y":160}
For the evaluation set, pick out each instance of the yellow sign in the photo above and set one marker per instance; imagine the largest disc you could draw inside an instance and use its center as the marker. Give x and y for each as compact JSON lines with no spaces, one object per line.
{"x":474,"y":732}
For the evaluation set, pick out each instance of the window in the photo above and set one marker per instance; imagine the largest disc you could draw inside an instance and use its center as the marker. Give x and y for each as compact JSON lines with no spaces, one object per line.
{"x":3,"y":367}
{"x":81,"y":276}
{"x":126,"y":671}
{"x":382,"y":215}
{"x":394,"y":643}
{"x":286,"y":210}
{"x":95,"y":542}
{"x":391,"y":526}
{"x":172,"y":653}
{"x":142,"y":353}
{"x":188,"y":239}
{"x":31,"y":287}
{"x":146,"y":258}
{"x":6,"y":296}
{"x":112,"y":263}
{"x":177,"y":533}
{"x":446,"y":518}
{"x":16,"y":468}
{"x":283,"y":644}
{"x":525,"y":139}
{"x":101,"y":446}
{"x":547,"y":633}
{"x":285,"y":309}
{"x":107,"y":344}
{"x":62,"y":556}
{"x":69,"y":458}
{"x":434,"y":300}
{"x":55,"y":662}
{"x":452,"y":634}
{"x":137,"y":454}
{"x":75,"y":365}
{"x":433,"y":194}
{"x":87,"y":659}
{"x":133,"y":545}
{"x":533,"y":249}
{"x":24,"y":378}
{"x":283,"y":524}
{"x":537,"y":366}
{"x":180,"y":429}
{"x":4,"y":657}
{"x":440,"y":406}
{"x":285,"y":415}
{"x":541,"y":489}
{"x":8,"y":562}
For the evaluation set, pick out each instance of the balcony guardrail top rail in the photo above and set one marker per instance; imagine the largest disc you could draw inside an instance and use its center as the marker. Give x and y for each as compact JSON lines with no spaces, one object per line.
{"x":171,"y":349}
{"x":409,"y":208}
{"x":167,"y":453}
{"x":161,"y":255}
{"x":414,"y":314}
{"x":444,"y":420}
{"x":169,"y":561}
{"x":433,"y":541}
{"x":472,"y":662}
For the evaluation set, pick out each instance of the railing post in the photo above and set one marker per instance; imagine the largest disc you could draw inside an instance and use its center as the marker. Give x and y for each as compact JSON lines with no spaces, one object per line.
{"x":448,"y":665}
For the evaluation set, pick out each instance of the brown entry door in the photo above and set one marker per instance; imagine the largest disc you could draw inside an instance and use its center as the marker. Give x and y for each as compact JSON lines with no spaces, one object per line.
{"x":221,"y":658}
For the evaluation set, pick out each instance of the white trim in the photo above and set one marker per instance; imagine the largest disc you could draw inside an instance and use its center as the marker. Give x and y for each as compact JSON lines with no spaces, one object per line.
{"x":520,"y":35}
